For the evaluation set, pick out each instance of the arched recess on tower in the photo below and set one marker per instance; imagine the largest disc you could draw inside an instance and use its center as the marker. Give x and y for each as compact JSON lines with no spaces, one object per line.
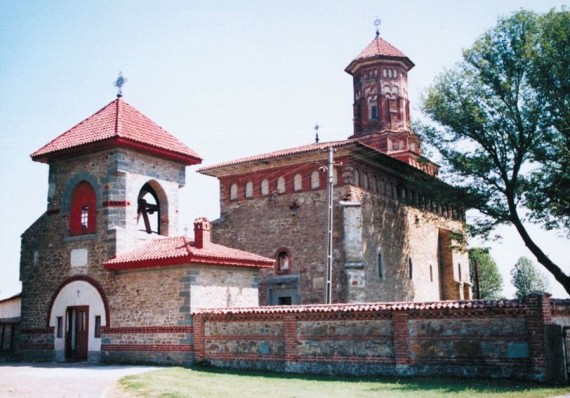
{"x":152,"y":209}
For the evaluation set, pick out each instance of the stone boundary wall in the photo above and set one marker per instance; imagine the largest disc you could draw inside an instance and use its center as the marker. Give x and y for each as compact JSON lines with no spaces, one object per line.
{"x":497,"y":339}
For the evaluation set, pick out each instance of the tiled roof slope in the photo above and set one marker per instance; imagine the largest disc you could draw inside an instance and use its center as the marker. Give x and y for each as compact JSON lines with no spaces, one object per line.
{"x":278,"y":154}
{"x":368,"y":307}
{"x":118,"y":123}
{"x":179,"y":250}
{"x":379,"y":48}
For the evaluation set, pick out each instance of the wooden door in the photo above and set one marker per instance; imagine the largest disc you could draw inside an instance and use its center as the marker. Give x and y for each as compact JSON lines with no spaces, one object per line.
{"x":77,"y":333}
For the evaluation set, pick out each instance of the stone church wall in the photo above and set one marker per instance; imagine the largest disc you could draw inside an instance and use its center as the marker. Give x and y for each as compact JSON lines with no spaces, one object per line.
{"x":384,"y":225}
{"x":151,"y":310}
{"x":295,"y":221}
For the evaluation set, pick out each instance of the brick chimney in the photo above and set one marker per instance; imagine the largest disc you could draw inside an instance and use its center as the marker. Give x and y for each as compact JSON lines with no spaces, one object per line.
{"x":202,"y":229}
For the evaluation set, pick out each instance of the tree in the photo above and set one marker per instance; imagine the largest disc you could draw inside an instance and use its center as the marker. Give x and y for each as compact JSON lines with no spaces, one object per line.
{"x":526,"y":278}
{"x":549,"y":191}
{"x":490,"y":279}
{"x":495,"y":131}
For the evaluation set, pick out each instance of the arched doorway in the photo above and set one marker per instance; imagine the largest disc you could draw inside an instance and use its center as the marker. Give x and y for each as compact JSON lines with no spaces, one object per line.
{"x":77,"y":316}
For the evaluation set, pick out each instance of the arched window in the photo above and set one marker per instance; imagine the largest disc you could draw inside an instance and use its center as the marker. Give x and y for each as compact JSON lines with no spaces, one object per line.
{"x":410,"y":268}
{"x":148,"y":210}
{"x":83,"y":210}
{"x":281,"y":185}
{"x":430,"y":273}
{"x":335,"y":176}
{"x":283,"y":261}
{"x":249,"y":189}
{"x":365,"y":181}
{"x":373,"y":107}
{"x":297,"y":182}
{"x":380,"y":264}
{"x":373,"y":184}
{"x":233,"y":192}
{"x":315,"y":180}
{"x":356,"y":178}
{"x":264,"y":188}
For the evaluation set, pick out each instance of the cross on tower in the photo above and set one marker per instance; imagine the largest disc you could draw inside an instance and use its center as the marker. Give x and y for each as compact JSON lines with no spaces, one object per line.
{"x":119,"y":83}
{"x":377,"y":23}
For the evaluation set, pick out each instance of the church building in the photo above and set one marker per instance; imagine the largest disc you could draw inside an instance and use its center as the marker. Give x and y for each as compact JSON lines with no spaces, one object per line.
{"x":104,"y":275}
{"x":392,"y":238}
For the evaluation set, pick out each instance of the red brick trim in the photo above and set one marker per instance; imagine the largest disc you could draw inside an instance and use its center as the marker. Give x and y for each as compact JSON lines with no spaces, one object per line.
{"x":199,"y":345}
{"x":290,"y":336}
{"x":116,"y":203}
{"x":401,"y":338}
{"x":244,"y":356}
{"x":36,"y":347}
{"x":147,"y":347}
{"x":92,"y":282}
{"x":495,"y":337}
{"x":244,"y":338}
{"x":48,"y":330}
{"x":349,"y":359}
{"x":560,"y":307}
{"x":147,"y":329}
{"x":367,"y":337}
{"x":539,"y":313}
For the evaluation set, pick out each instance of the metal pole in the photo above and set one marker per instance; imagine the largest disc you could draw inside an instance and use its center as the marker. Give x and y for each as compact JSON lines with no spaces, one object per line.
{"x":478,"y":290}
{"x":329,"y":268}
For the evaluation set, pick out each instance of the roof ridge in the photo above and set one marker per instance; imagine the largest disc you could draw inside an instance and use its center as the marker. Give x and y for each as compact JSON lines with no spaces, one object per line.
{"x":118,"y":125}
{"x":281,"y":152}
{"x":68,"y":131}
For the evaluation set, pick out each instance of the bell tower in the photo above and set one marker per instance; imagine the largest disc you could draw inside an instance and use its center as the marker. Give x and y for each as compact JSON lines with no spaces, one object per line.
{"x":381,"y":106}
{"x":115,"y":178}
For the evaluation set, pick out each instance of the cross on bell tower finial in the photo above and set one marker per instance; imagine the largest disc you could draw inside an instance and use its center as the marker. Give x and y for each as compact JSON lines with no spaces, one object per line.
{"x":119,"y":83}
{"x":377,"y":23}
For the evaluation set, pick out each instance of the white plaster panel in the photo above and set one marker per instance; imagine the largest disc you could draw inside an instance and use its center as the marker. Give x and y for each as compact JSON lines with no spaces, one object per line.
{"x":79,"y":257}
{"x":75,"y":294}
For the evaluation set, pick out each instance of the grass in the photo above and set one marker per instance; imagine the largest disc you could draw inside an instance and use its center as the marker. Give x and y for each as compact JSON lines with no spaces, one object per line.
{"x":210,"y":383}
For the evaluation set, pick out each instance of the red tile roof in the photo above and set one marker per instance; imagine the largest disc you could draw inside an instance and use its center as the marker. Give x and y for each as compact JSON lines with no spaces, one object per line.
{"x":118,"y":123}
{"x":179,"y":250}
{"x":278,"y":154}
{"x":366,"y":307}
{"x":379,"y":48}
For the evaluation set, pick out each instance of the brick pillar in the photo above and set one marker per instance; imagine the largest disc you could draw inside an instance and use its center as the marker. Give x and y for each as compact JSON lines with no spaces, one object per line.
{"x":198,"y":328}
{"x":539,"y":313}
{"x":401,"y":338}
{"x":290,"y":337}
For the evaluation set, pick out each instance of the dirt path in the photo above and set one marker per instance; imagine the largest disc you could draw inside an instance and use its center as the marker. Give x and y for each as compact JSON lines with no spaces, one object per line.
{"x":51,"y":380}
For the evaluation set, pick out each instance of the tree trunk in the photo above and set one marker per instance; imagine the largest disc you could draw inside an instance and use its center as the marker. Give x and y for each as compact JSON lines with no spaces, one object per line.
{"x":541,"y":257}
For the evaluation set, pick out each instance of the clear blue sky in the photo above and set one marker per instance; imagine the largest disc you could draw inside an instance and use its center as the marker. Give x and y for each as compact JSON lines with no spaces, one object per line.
{"x":229,"y":78}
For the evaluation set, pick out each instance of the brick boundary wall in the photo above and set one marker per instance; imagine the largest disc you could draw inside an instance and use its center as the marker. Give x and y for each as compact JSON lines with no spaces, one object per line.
{"x":494,"y":339}
{"x":165,"y":345}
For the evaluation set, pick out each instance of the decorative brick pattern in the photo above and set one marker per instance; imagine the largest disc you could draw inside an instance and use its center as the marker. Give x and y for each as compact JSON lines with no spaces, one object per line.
{"x":458,"y":338}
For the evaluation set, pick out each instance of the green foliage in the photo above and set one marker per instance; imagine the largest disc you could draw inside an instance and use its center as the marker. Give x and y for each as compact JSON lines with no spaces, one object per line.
{"x":497,"y":125}
{"x":527,"y":279}
{"x":210,"y":383}
{"x":490,"y":279}
{"x":549,"y":192}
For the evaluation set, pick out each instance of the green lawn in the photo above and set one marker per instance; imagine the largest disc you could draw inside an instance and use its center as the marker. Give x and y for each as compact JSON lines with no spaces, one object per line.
{"x":210,"y":383}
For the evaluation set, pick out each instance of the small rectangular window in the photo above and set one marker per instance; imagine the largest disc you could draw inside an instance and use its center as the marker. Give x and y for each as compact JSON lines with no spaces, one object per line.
{"x":59,"y":331}
{"x":84,"y":217}
{"x":374,"y":112}
{"x":98,"y":326}
{"x":284,"y":300}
